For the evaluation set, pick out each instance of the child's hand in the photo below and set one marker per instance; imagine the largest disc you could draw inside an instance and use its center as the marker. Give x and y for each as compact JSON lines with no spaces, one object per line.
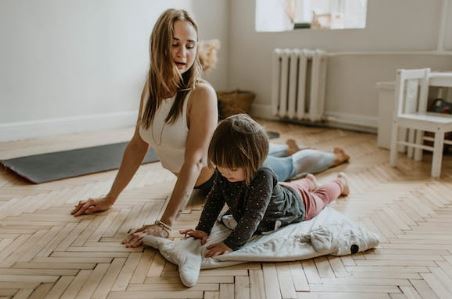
{"x":197,"y":234}
{"x":217,"y":249}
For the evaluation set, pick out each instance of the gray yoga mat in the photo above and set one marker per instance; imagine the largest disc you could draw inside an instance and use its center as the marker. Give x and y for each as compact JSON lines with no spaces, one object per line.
{"x":66,"y":164}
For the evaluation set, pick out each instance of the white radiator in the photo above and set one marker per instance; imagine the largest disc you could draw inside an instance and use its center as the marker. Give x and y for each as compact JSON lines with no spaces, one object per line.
{"x":298,"y":84}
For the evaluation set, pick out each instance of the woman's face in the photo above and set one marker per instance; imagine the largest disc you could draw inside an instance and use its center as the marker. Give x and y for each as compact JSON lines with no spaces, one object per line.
{"x":184,"y":45}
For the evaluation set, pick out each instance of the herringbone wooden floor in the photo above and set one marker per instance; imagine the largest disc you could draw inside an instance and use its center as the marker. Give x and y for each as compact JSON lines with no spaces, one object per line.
{"x":47,"y":253}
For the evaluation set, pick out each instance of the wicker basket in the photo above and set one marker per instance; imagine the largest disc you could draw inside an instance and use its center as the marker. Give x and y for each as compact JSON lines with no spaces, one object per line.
{"x":234,"y":102}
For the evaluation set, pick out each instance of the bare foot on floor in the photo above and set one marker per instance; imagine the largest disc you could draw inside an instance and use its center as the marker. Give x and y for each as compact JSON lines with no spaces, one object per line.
{"x":340,"y":156}
{"x":313,"y":180}
{"x":292,"y":147}
{"x":343,"y":179}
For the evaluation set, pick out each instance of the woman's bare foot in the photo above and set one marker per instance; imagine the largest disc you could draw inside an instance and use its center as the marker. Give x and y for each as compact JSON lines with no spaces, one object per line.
{"x":340,"y":156}
{"x":292,"y":147}
{"x":313,"y":180}
{"x":343,"y":181}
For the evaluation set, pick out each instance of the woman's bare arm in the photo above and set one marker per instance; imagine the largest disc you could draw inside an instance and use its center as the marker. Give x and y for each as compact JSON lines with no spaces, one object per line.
{"x":202,"y":117}
{"x":202,"y":121}
{"x":131,"y":160}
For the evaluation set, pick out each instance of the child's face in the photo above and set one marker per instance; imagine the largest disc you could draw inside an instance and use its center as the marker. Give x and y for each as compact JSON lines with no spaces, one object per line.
{"x":232,"y":175}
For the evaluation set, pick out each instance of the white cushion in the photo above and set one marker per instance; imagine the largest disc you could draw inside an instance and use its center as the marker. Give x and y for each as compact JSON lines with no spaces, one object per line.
{"x":330,"y":232}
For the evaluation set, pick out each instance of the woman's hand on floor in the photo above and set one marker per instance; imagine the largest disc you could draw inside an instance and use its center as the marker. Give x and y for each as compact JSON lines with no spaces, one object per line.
{"x":135,"y":237}
{"x":197,"y":234}
{"x":92,"y":205}
{"x":217,"y":249}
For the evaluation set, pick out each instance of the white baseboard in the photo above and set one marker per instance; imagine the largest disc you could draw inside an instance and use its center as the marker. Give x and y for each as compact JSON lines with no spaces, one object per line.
{"x":333,"y":119}
{"x":370,"y":122}
{"x":57,"y":126}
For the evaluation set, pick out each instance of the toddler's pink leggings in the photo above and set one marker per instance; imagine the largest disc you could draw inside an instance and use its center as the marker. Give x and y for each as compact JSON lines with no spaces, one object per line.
{"x":315,"y":200}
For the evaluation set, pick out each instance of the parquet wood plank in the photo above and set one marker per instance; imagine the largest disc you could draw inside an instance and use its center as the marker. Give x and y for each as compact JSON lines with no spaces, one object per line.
{"x":177,"y":286}
{"x":127,"y":271}
{"x":59,"y":287}
{"x":143,"y":267}
{"x":257,"y":285}
{"x":56,"y":272}
{"x":271,"y":282}
{"x":41,"y":291}
{"x":76,"y":284}
{"x":74,"y":234}
{"x":159,"y":294}
{"x":324,"y":267}
{"x":13,"y":246}
{"x":286,"y":284}
{"x":442,"y":277}
{"x":157,"y":265}
{"x":106,"y":284}
{"x":176,"y":279}
{"x":85,"y":254}
{"x":18,"y":285}
{"x":35,"y":265}
{"x":311,"y":271}
{"x":333,"y":295}
{"x":23,"y":294}
{"x":355,"y":288}
{"x":28,"y":278}
{"x":44,"y":251}
{"x":367,"y":281}
{"x":384,"y":274}
{"x":53,"y":259}
{"x":423,"y":288}
{"x":93,"y":280}
{"x":242,"y":287}
{"x":410,"y":292}
{"x":446,"y":267}
{"x":299,"y":277}
{"x":211,"y":295}
{"x":226,"y":291}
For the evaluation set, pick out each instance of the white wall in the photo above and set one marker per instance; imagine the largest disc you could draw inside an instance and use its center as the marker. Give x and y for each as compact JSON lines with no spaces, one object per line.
{"x":448,"y":26}
{"x":392,"y":26}
{"x":351,"y":93}
{"x":80,"y":65}
{"x":70,"y":66}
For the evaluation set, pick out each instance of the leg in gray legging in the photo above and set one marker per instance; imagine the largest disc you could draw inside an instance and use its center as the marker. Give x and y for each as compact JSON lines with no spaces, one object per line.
{"x":312,"y":161}
{"x":278,"y":150}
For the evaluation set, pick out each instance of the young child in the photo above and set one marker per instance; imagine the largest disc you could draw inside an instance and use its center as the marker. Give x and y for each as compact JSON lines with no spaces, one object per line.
{"x":255,"y":199}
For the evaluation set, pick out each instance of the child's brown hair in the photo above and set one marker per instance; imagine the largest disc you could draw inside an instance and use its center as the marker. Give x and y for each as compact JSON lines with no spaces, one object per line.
{"x":239,"y":142}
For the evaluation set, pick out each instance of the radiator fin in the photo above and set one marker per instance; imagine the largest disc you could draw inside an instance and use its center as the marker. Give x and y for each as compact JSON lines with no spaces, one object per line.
{"x":298,"y":87}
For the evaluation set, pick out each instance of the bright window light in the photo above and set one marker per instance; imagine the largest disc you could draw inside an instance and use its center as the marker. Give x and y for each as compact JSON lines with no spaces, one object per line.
{"x":286,"y":15}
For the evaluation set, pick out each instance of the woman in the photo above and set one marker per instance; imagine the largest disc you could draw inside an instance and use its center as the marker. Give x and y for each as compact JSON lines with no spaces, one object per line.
{"x":177,"y":117}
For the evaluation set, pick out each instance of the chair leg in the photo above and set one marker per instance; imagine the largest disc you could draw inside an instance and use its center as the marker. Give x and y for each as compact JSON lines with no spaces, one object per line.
{"x":403,"y":135}
{"x":394,"y":148}
{"x":437,"y":153}
{"x":411,"y":139}
{"x":419,"y":141}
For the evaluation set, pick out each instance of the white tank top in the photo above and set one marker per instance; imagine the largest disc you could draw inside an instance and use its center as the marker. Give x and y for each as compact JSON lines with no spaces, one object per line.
{"x":168,"y":140}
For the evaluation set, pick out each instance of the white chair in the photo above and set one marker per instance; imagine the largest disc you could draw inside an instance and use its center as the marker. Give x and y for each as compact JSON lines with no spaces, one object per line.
{"x":411,"y":96}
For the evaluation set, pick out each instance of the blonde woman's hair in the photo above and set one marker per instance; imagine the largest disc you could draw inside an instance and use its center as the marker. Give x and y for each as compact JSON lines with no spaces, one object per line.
{"x":163,"y":78}
{"x":239,"y":142}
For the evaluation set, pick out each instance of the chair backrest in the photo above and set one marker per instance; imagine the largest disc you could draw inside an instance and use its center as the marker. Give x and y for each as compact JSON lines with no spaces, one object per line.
{"x":411,"y":94}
